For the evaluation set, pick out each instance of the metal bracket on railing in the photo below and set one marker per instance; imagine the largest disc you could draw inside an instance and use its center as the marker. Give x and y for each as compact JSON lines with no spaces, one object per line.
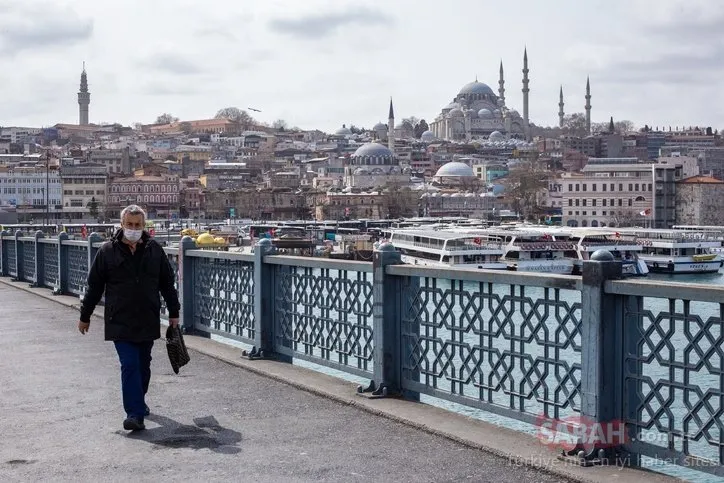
{"x":372,"y":391}
{"x":254,"y":354}
{"x":596,"y":456}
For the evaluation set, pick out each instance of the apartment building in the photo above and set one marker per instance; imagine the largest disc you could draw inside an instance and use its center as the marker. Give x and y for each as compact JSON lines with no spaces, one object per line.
{"x":84,"y":191}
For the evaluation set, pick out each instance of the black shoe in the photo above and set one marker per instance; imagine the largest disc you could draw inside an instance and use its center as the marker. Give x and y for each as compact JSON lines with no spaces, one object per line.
{"x":147,"y":411}
{"x":133,"y":424}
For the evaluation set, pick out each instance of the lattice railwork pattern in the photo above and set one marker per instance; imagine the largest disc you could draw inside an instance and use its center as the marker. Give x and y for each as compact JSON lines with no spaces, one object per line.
{"x":77,"y":269}
{"x":325,"y":315}
{"x":50,"y":265}
{"x":224,"y":297}
{"x":173,"y":259}
{"x":29,"y":261}
{"x":674,"y":378}
{"x":12,"y":258}
{"x":513,"y":349}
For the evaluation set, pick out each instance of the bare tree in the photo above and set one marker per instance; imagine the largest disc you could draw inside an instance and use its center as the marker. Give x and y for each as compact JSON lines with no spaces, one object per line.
{"x":412,"y":120}
{"x":280,"y":125}
{"x":237,"y":115}
{"x":575,"y":124}
{"x":420,"y":128}
{"x":166,"y":118}
{"x":523,"y":184}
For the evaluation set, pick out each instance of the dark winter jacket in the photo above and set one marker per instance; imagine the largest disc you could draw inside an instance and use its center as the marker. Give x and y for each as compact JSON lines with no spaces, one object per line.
{"x":132,"y":283}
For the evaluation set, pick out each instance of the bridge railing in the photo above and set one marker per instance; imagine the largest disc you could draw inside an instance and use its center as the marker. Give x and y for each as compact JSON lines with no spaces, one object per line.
{"x":591,"y":351}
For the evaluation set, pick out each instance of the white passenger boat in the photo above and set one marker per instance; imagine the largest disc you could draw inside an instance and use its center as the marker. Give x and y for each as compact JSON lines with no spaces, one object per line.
{"x":623,"y":249}
{"x":531,"y":250}
{"x":676,"y":251}
{"x":447,"y":249}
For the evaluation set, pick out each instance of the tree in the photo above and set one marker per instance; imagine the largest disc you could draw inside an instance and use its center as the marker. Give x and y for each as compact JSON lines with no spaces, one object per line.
{"x":166,"y":118}
{"x":625,"y":126}
{"x":280,"y":125}
{"x":186,"y":127}
{"x":575,"y":124}
{"x":412,"y":120}
{"x":237,"y":115}
{"x":420,"y":128}
{"x":523,"y":184}
{"x":93,"y":207}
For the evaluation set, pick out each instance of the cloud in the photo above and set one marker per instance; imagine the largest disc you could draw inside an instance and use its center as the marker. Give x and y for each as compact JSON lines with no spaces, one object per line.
{"x":318,"y":26}
{"x":170,"y":88}
{"x":40,"y":26}
{"x":171,"y":63}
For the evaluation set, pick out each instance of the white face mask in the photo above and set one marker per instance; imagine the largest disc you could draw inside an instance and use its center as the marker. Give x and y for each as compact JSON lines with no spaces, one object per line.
{"x":132,"y":235}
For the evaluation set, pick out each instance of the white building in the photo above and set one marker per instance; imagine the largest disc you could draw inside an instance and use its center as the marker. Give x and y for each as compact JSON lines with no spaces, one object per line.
{"x":28,"y":188}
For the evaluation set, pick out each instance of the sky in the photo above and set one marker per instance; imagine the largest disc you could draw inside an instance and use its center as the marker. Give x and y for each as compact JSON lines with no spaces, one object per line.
{"x":319,"y":64}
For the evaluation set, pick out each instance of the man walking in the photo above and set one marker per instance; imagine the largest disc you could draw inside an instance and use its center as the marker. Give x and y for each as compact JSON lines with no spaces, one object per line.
{"x":132,"y":268}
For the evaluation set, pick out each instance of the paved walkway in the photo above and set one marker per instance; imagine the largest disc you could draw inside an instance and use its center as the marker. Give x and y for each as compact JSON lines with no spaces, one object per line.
{"x":62,"y":414}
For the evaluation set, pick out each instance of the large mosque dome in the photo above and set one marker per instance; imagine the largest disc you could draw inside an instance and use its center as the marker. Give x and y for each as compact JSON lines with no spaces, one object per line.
{"x":343,"y":131}
{"x":372,"y":153}
{"x":455,"y":169}
{"x":476,"y":87}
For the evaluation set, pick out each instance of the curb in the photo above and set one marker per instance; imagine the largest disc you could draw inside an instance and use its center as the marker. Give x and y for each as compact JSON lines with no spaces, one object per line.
{"x":338,"y":390}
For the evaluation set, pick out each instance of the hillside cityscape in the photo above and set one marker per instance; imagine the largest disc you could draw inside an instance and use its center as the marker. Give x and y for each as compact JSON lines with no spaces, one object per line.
{"x":477,"y":157}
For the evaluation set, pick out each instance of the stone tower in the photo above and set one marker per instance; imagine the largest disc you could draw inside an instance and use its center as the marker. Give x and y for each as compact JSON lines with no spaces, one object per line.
{"x":83,"y":99}
{"x":391,"y":128}
{"x":588,"y":106}
{"x":501,"y":87}
{"x":561,"y":114}
{"x":526,"y":90}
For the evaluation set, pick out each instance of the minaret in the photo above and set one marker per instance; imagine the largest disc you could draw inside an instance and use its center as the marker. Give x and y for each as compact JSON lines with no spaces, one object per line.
{"x":561,"y":114}
{"x":501,"y":87}
{"x":526,"y":90}
{"x":83,"y":99}
{"x":391,"y":128}
{"x":588,"y":106}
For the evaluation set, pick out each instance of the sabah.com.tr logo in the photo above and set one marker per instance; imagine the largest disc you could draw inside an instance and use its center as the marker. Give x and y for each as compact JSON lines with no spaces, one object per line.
{"x":566,"y":433}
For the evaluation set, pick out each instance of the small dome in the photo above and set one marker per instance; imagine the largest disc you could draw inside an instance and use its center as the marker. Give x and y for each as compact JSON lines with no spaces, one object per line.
{"x":379,"y":127}
{"x":496,"y":136}
{"x":455,"y":168}
{"x":428,"y":136}
{"x":452,"y":105}
{"x":343,"y":131}
{"x":485,"y":113}
{"x":497,"y":112}
{"x":455,"y":112}
{"x":476,"y":88}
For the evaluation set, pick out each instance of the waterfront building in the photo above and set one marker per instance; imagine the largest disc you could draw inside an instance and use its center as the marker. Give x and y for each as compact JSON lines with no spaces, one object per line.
{"x":84,"y":191}
{"x":158,"y":195}
{"x":27,"y":188}
{"x":700,"y":201}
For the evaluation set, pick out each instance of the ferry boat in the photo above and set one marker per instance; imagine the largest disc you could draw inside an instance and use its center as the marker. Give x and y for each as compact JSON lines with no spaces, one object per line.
{"x":528,"y":250}
{"x":677,"y":251}
{"x":624,"y":250}
{"x":436,"y":248}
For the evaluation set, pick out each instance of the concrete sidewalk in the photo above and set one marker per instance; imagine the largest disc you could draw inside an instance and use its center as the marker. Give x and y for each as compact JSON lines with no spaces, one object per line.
{"x":61,"y":418}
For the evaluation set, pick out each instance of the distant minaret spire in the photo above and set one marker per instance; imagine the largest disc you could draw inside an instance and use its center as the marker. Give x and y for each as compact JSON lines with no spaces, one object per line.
{"x":501,"y":86}
{"x":561,"y":114}
{"x":83,"y":99}
{"x":391,"y":128}
{"x":526,"y":90}
{"x":588,"y":105}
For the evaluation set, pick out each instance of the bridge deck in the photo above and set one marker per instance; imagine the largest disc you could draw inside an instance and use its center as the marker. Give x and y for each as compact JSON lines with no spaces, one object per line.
{"x":62,"y":414}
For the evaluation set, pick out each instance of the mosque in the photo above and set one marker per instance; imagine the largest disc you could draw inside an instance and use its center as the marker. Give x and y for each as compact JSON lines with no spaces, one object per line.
{"x":477,"y":112}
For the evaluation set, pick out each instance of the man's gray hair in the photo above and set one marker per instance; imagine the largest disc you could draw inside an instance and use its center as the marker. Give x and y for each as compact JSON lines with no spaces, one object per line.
{"x":132,"y":210}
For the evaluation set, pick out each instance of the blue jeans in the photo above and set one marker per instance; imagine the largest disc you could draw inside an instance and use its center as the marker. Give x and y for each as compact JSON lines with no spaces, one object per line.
{"x":135,"y":358}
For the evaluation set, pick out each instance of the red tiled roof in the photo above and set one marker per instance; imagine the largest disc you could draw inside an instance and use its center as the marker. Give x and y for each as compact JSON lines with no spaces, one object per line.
{"x":701,"y":180}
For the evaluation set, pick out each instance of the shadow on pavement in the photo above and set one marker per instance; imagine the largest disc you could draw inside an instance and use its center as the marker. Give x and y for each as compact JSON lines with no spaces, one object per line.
{"x":205,"y":433}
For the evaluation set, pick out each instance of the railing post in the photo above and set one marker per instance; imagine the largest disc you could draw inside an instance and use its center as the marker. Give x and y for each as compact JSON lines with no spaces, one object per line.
{"x":186,"y":284}
{"x":39,"y":273}
{"x":601,"y":359}
{"x":18,"y":257}
{"x":263,"y":302}
{"x":386,"y":323}
{"x":63,"y":275}
{"x":3,"y":254}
